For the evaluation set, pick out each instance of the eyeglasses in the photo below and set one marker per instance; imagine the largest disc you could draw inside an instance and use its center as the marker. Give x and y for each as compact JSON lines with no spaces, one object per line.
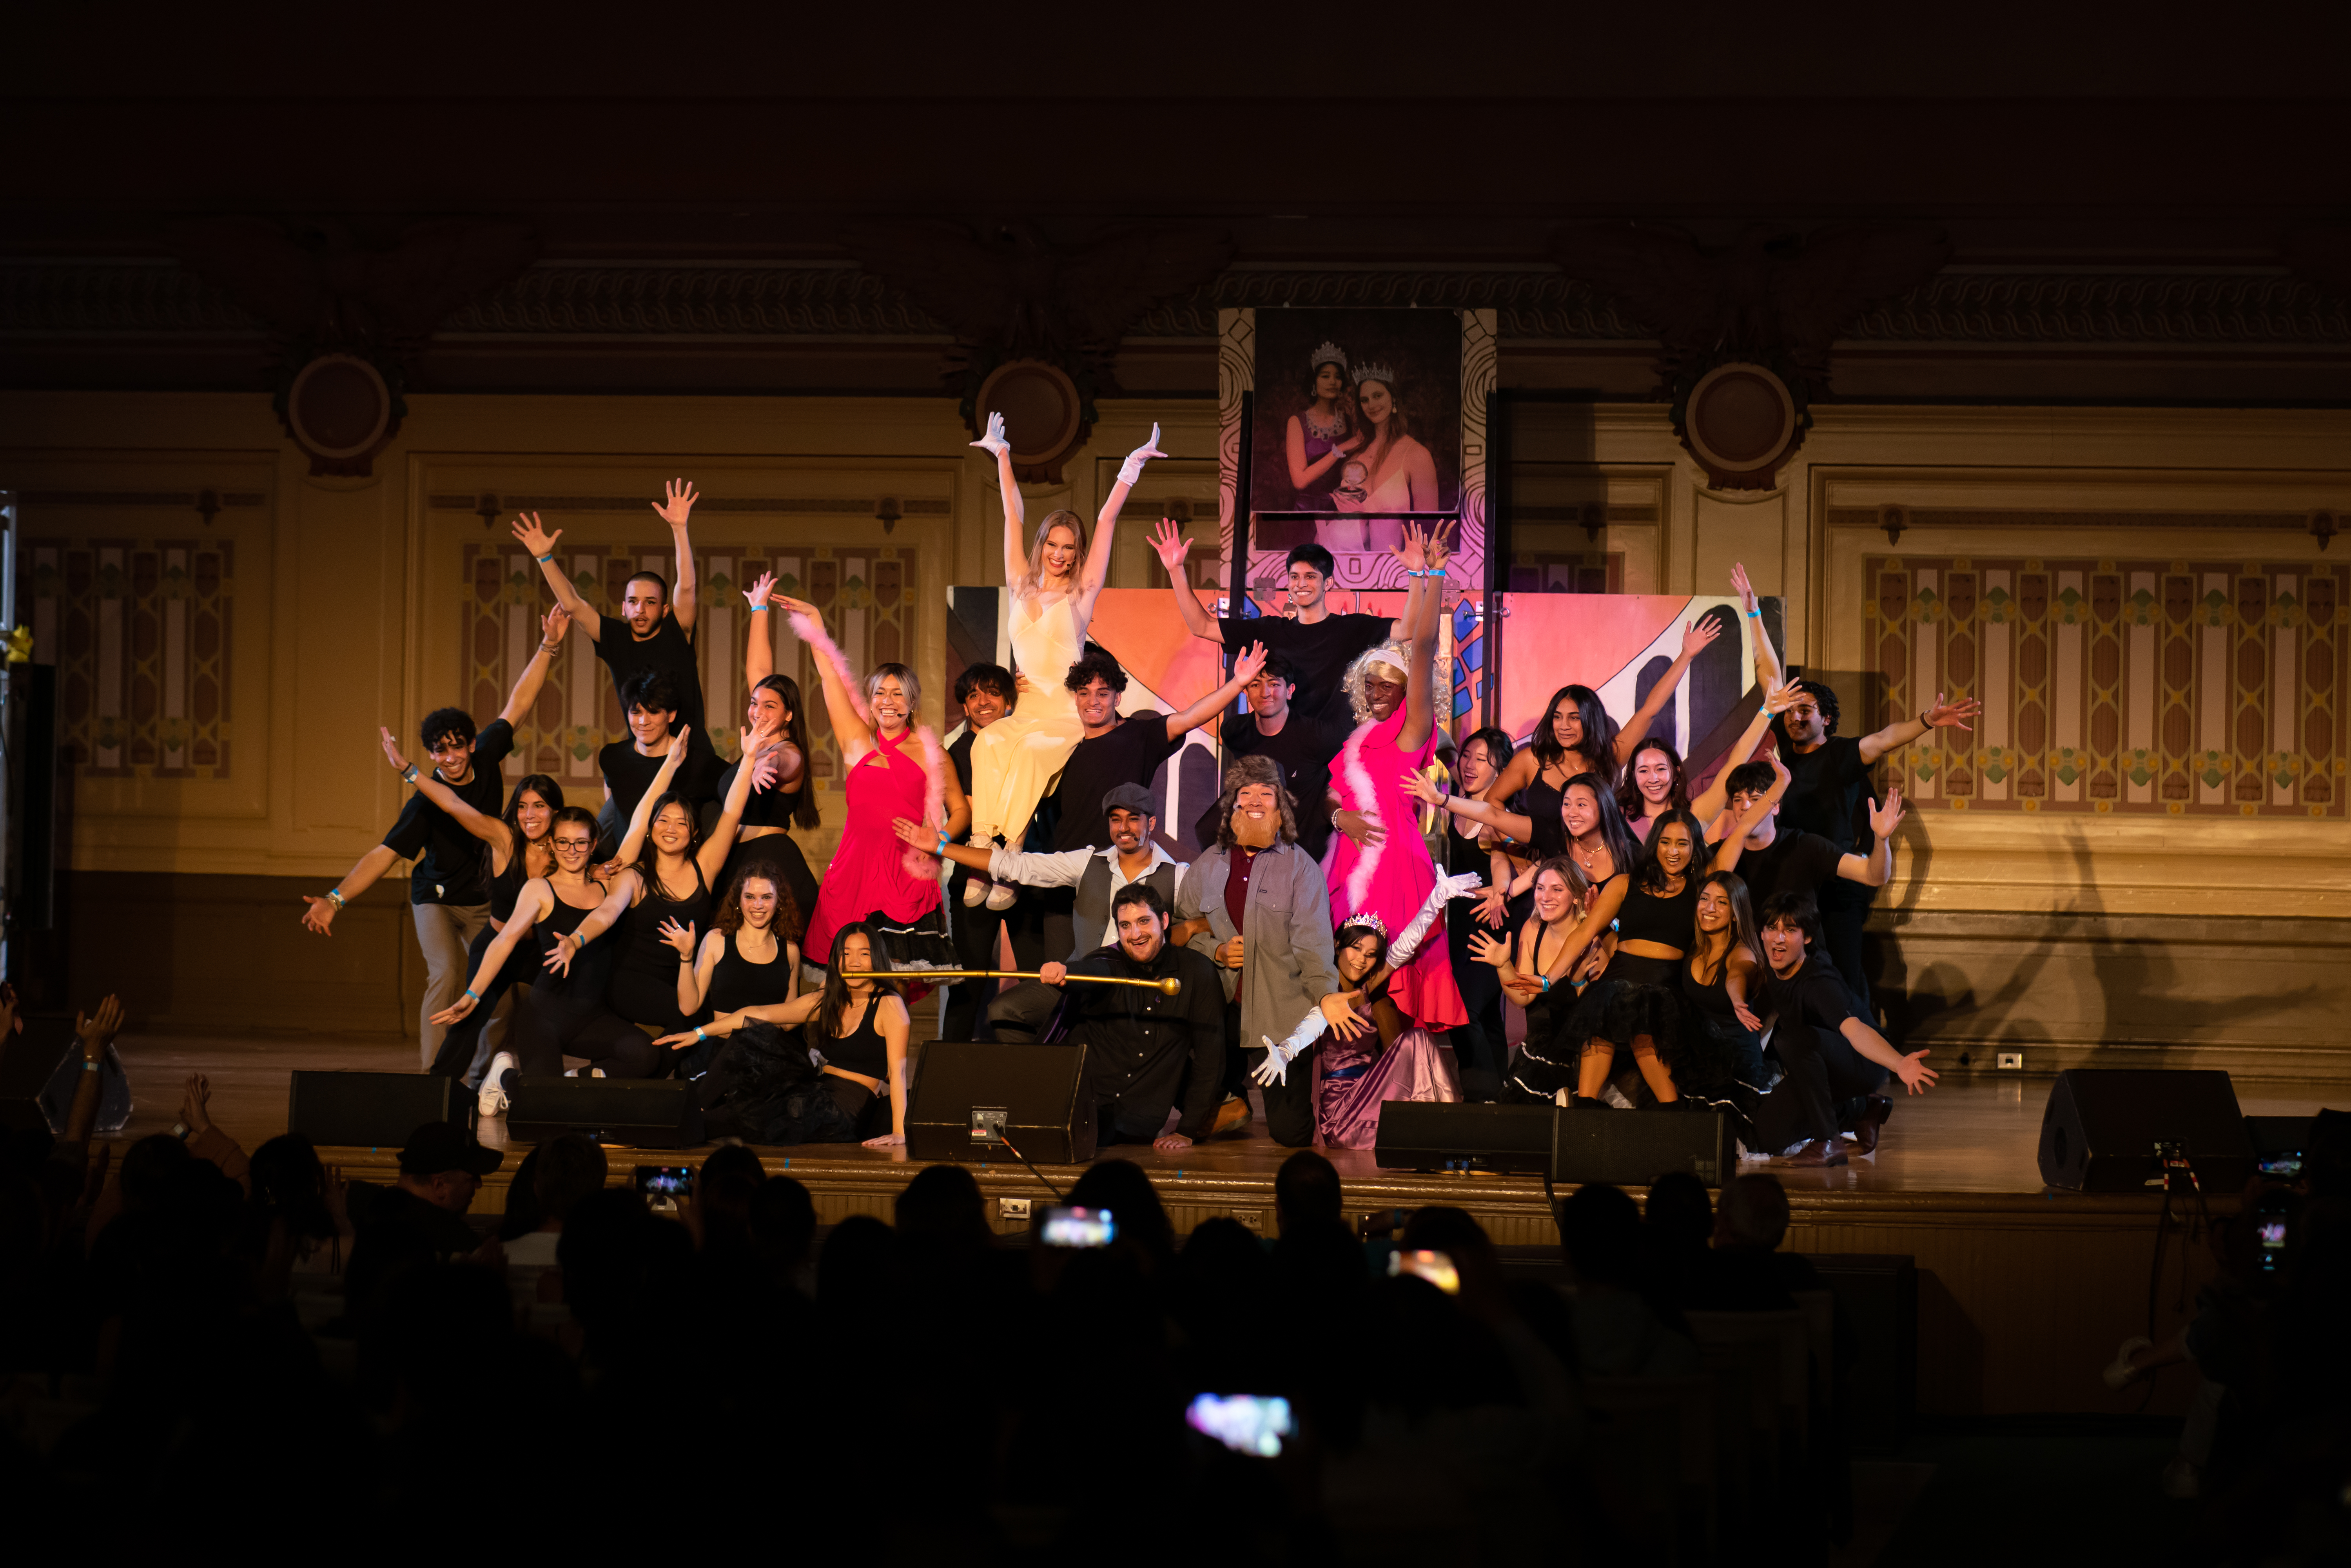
{"x":574,"y":843}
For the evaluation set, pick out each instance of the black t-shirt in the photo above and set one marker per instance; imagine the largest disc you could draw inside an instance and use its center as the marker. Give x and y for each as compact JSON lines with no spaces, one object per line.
{"x":670,"y":650}
{"x":1815,"y":993}
{"x":1792,"y":862}
{"x":451,"y":864}
{"x":1304,"y":748}
{"x":1829,"y":793}
{"x":629,"y":774}
{"x":1129,"y":753}
{"x":1319,"y":653}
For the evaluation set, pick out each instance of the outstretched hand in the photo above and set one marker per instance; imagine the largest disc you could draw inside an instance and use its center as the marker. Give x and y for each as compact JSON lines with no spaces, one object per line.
{"x":678,"y":506}
{"x":1489,"y":949}
{"x":456,"y":1010}
{"x":1916,"y":1075}
{"x":1951,"y":716}
{"x":1422,"y":788}
{"x":993,"y":441}
{"x":1345,"y":1023}
{"x":675,"y":761}
{"x":1699,"y":633}
{"x":392,"y":749}
{"x":1886,"y":815}
{"x":1132,"y":469}
{"x":1742,"y":588}
{"x":98,"y":1026}
{"x":1747,"y":1019}
{"x":917,"y":834}
{"x":679,"y":936}
{"x":537,"y":539}
{"x":1172,"y":547}
{"x":762,"y":591}
{"x":553,"y":625}
{"x":1250,"y":664}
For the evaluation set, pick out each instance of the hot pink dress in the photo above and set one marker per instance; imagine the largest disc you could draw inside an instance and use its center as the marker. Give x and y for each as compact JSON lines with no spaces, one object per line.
{"x":868,"y":875}
{"x":1393,"y":878}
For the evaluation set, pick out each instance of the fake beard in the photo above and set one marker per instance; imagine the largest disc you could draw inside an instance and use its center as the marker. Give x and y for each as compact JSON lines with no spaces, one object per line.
{"x":1255,"y":833}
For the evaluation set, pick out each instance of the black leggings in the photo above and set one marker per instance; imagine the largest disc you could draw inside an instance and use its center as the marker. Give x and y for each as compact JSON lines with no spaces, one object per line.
{"x":551,"y":1026}
{"x":464,"y":1039}
{"x":1822,"y":1069}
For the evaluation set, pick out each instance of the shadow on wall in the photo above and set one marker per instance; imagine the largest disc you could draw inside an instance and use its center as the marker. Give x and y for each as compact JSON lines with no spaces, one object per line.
{"x":2080,"y":974}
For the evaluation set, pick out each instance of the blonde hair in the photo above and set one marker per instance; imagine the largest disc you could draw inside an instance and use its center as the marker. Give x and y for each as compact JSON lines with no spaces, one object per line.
{"x":1064,"y":519}
{"x":1396,"y":655}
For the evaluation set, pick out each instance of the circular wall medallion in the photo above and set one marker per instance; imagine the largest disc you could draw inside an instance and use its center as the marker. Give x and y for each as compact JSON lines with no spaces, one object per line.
{"x":1740,"y":421}
{"x":1041,"y":409}
{"x":338,"y":407}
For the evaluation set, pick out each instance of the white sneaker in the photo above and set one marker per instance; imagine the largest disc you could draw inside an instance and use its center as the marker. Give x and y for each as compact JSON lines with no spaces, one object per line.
{"x":2120,"y":1372}
{"x":1000,"y":895}
{"x":493,"y":1100}
{"x":978,"y":888}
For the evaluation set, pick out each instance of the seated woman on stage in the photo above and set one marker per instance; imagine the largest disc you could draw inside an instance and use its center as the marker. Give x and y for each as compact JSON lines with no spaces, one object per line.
{"x":1587,"y":829}
{"x":747,"y":961}
{"x":1723,"y":979}
{"x":859,"y":1025}
{"x":1402,"y":1060}
{"x":1836,"y":1062}
{"x":1654,"y":782}
{"x":669,"y":868}
{"x":1545,"y":962}
{"x":564,"y":1011}
{"x":517,"y":847}
{"x":782,"y":795}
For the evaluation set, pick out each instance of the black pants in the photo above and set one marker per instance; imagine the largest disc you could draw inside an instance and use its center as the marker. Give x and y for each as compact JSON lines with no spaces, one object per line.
{"x":867,"y":1112}
{"x":1019,"y":1017}
{"x":549,"y":1025}
{"x":1840,"y":930}
{"x":1290,"y":1104}
{"x":976,"y":930}
{"x":1821,"y":1071}
{"x":463,"y":1040}
{"x":1480,"y":1048}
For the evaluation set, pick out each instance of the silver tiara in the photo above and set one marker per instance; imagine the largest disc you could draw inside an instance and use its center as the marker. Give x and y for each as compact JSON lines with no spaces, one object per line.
{"x":1366,"y":917}
{"x":1330,"y":353}
{"x":1375,"y":372}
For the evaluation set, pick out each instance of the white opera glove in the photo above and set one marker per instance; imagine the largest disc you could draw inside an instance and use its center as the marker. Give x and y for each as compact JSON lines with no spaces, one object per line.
{"x":1275,"y":1068}
{"x":1132,"y":469}
{"x":1448,"y":888}
{"x":994,"y":440}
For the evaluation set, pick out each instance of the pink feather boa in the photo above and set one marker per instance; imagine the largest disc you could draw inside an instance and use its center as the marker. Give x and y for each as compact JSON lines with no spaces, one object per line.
{"x":1361,"y":797}
{"x":918,"y":866}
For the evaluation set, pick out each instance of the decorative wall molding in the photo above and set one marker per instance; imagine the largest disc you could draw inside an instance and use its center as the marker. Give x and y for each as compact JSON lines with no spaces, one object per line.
{"x":1534,"y":303}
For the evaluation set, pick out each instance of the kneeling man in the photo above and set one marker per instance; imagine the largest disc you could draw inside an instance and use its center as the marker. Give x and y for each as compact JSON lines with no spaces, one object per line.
{"x":1146,"y":1050}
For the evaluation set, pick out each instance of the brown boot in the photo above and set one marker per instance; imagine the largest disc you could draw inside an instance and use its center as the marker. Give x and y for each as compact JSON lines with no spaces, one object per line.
{"x":1232,"y":1115}
{"x":1871,"y":1123}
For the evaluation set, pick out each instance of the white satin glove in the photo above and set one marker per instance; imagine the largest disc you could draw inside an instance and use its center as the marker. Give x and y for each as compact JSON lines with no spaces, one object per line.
{"x":994,"y":440}
{"x":1275,"y":1068}
{"x":1132,"y":469}
{"x":1448,"y":888}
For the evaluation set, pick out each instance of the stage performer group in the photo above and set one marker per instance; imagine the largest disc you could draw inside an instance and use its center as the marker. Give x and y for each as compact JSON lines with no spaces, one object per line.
{"x":1586,"y":931}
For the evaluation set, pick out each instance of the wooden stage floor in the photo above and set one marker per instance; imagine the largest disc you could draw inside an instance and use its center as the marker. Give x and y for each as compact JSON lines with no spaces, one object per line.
{"x":2022,"y":1293}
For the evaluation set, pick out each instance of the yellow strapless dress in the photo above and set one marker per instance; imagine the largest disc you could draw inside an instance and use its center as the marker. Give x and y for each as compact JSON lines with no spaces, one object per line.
{"x":1019,"y":758}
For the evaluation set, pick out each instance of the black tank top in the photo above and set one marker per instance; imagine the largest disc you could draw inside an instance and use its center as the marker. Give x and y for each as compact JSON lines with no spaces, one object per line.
{"x":861,"y":1051}
{"x":1464,"y":854}
{"x":737,"y":983}
{"x":1713,"y":998}
{"x":646,"y":959}
{"x":1670,"y":922}
{"x":767,"y":808}
{"x":592,"y":967}
{"x":505,"y":886}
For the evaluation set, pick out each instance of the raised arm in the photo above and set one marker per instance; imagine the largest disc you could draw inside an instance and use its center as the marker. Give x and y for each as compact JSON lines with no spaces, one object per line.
{"x":1733,"y":842}
{"x":1244,"y":669}
{"x":854,"y":736}
{"x":541,"y":545}
{"x":674,"y":509}
{"x":1420,"y":613}
{"x":711,"y":855}
{"x":1694,"y":636}
{"x":489,"y":829}
{"x":319,"y":913}
{"x":1876,"y":868}
{"x":1768,"y":672}
{"x":551,"y":628}
{"x":1942,"y":716}
{"x":759,"y":651}
{"x":696,"y":962}
{"x":1709,"y":805}
{"x":1173,"y":551}
{"x":1016,"y":521}
{"x":642,"y":818}
{"x":1097,"y":568}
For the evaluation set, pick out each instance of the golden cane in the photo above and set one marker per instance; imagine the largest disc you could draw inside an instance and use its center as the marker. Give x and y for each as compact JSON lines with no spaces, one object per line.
{"x":1169,"y":987}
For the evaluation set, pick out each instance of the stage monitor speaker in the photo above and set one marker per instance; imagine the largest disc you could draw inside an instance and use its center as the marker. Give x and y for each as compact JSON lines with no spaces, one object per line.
{"x":969,"y":1098}
{"x":1634,"y":1149}
{"x":373,"y":1110}
{"x":2103,"y":1126}
{"x":1431,"y":1136}
{"x":635,"y":1112}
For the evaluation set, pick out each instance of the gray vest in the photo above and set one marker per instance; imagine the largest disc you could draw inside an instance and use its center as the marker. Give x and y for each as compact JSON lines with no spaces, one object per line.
{"x":1089,"y":912}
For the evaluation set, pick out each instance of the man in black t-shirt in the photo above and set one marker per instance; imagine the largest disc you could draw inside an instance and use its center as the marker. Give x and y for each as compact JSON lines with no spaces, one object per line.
{"x":629,"y":766}
{"x":448,"y":892}
{"x":1772,"y":860}
{"x":1302,"y":746}
{"x":1835,"y":1061}
{"x":1117,"y":748}
{"x":1829,"y":794}
{"x":1317,"y":646}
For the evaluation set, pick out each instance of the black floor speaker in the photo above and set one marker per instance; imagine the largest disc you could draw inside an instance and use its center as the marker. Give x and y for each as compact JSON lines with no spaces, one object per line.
{"x":373,"y":1110}
{"x":969,"y":1099}
{"x":1633,"y":1149}
{"x":1431,"y":1136}
{"x":2103,"y":1126}
{"x":635,"y":1112}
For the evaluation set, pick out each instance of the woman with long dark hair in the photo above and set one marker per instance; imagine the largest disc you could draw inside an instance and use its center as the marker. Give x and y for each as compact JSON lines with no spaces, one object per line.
{"x":748,"y":959}
{"x":860,"y":1027}
{"x":1586,"y":827}
{"x":1321,"y":435}
{"x":668,"y":869}
{"x":1576,"y":734}
{"x":1654,"y":782}
{"x":1724,"y":976}
{"x":1539,"y":972}
{"x":515,"y":845}
{"x":782,"y":794}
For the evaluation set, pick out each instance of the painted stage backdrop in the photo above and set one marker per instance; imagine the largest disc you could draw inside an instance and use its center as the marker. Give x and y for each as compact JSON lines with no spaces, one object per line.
{"x":1361,"y":418}
{"x":1619,"y":644}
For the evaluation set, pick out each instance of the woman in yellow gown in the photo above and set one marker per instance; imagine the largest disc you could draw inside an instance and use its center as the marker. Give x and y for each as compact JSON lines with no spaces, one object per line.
{"x":1016,"y":759}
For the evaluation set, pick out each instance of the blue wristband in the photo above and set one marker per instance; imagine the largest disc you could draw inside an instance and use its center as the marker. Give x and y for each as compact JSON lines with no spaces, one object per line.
{"x":1546,"y":981}
{"x":547,"y":560}
{"x":1755,"y":615}
{"x":470,"y":991}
